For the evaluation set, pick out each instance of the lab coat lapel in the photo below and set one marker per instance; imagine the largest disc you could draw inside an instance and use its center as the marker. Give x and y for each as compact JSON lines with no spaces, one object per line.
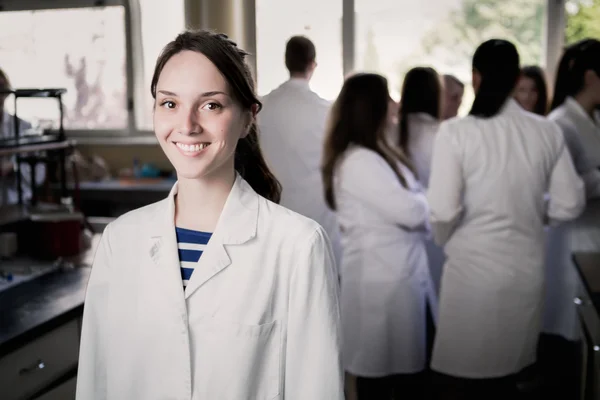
{"x":236,"y":225}
{"x":162,"y":249}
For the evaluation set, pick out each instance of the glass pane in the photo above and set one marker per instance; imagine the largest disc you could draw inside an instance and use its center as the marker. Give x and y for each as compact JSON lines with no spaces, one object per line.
{"x":161,"y":22}
{"x":393,"y":36}
{"x":583,"y":20}
{"x":82,"y":50}
{"x":320,"y":21}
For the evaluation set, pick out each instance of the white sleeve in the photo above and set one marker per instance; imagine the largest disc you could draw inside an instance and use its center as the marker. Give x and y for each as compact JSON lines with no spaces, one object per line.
{"x":445,"y":186}
{"x":566,"y":189}
{"x":91,"y":373}
{"x":313,"y":367}
{"x":367,"y":177}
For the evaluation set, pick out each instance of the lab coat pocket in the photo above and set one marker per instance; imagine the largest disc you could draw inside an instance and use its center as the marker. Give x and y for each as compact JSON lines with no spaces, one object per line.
{"x":236,"y":361}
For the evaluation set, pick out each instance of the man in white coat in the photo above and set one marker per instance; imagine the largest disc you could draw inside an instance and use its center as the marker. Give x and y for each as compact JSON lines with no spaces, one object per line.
{"x":292,"y":127}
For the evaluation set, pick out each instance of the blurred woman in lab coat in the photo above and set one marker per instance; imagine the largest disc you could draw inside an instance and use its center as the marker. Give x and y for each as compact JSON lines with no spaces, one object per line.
{"x":419,"y":118}
{"x":8,"y":180}
{"x":490,"y":171}
{"x":575,"y":109}
{"x":382,"y":213}
{"x":216,"y":292}
{"x":531,"y":91}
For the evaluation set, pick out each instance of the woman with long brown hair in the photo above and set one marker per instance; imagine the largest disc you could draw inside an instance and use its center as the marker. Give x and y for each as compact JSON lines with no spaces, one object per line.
{"x":382,"y":214}
{"x":215,"y":292}
{"x":419,"y":117}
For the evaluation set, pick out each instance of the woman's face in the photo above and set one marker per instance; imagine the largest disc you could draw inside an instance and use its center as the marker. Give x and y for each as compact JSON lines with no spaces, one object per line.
{"x":196,"y":120}
{"x":526,"y":93}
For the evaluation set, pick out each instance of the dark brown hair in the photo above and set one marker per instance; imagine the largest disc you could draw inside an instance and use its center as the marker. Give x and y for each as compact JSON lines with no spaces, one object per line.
{"x":300,"y":52}
{"x":577,"y":59}
{"x":230,"y":61}
{"x":421,"y":93}
{"x":358,"y":117}
{"x":536,"y":74}
{"x":497,"y":61}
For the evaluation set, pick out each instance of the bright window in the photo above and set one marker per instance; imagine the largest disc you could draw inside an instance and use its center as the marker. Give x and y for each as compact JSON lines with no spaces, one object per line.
{"x":82,"y":50}
{"x":161,"y":22}
{"x":583,"y":20}
{"x":393,"y":36}
{"x":320,"y":21}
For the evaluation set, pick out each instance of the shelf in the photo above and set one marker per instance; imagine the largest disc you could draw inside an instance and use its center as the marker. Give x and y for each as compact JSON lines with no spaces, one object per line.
{"x":10,"y":214}
{"x":48,"y":92}
{"x":35,"y":147}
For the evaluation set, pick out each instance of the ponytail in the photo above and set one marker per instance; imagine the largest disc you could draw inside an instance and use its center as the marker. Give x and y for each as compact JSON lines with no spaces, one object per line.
{"x":497,"y":62}
{"x":251,"y":165}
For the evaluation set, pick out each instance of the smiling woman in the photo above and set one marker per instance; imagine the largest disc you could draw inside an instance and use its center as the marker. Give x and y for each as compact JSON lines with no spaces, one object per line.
{"x":234,"y":296}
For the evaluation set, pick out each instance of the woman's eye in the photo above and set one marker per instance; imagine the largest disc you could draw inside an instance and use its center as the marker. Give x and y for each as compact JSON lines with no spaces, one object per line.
{"x":212,"y":106}
{"x":168,"y":104}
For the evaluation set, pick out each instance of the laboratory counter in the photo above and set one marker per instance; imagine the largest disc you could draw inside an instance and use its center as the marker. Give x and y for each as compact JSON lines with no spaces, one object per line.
{"x":34,"y":308}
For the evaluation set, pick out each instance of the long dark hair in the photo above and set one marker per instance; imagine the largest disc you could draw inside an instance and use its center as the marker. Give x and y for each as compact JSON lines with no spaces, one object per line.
{"x":536,"y":74}
{"x":576,"y":60}
{"x":230,"y":61}
{"x":359,"y":117}
{"x":421,"y":93}
{"x":497,"y":61}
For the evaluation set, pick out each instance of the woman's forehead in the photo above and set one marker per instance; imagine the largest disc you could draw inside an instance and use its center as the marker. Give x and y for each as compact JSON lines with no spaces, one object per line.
{"x":192,"y":71}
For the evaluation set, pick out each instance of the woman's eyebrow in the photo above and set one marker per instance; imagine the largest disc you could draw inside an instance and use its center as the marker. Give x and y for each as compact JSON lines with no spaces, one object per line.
{"x":205,"y":94}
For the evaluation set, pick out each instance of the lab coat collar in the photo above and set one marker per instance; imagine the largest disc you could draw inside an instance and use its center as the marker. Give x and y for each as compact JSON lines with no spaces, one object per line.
{"x":298,"y":83}
{"x":236,"y":225}
{"x":422,"y":117}
{"x":576,"y":108}
{"x":511,"y":106}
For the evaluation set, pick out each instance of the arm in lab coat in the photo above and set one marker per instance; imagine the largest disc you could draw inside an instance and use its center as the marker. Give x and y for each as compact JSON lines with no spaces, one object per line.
{"x":369,"y":178}
{"x":91,"y":374}
{"x":445,"y":187}
{"x":313,"y":368}
{"x":566,"y":189}
{"x":586,"y":170}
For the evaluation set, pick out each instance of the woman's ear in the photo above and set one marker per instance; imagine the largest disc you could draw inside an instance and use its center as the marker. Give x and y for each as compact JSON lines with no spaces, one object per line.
{"x":251,"y":120}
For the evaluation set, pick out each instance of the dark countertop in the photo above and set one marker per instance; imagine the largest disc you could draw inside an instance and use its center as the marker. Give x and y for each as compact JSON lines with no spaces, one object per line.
{"x":585,"y":244}
{"x":31,"y":309}
{"x":588,"y":265}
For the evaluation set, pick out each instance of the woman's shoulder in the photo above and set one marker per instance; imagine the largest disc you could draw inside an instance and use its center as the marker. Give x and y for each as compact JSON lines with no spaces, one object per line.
{"x":285,"y":222}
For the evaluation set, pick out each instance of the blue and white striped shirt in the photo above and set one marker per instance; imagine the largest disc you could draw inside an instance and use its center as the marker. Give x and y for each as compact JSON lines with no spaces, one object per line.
{"x":190,"y":245}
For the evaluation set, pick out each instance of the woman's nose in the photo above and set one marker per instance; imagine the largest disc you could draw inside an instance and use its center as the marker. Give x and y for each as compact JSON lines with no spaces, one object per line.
{"x":190,"y":123}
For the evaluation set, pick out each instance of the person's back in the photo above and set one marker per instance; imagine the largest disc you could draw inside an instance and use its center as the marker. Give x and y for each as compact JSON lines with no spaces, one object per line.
{"x":490,"y":175}
{"x":507,"y":162}
{"x":292,"y":127}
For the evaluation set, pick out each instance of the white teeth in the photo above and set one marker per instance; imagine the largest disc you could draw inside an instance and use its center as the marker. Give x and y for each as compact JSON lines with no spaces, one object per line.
{"x":192,"y":147}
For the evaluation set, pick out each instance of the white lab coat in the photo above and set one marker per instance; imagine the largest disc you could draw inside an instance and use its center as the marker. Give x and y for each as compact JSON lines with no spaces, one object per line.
{"x":582,"y":135}
{"x":384,"y":274}
{"x":9,"y":193}
{"x":422,"y":128}
{"x":259,"y":318}
{"x":292,"y":130}
{"x":486,"y":193}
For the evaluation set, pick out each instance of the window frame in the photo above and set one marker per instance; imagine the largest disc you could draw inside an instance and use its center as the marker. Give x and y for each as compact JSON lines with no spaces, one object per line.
{"x":135,"y":87}
{"x":134,"y":66}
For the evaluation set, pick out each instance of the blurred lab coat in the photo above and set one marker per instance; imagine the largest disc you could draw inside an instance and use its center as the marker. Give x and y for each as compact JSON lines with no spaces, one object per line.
{"x":582,"y":135}
{"x":292,"y":129}
{"x":422,"y":129}
{"x":384,"y":273}
{"x":486,"y":193}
